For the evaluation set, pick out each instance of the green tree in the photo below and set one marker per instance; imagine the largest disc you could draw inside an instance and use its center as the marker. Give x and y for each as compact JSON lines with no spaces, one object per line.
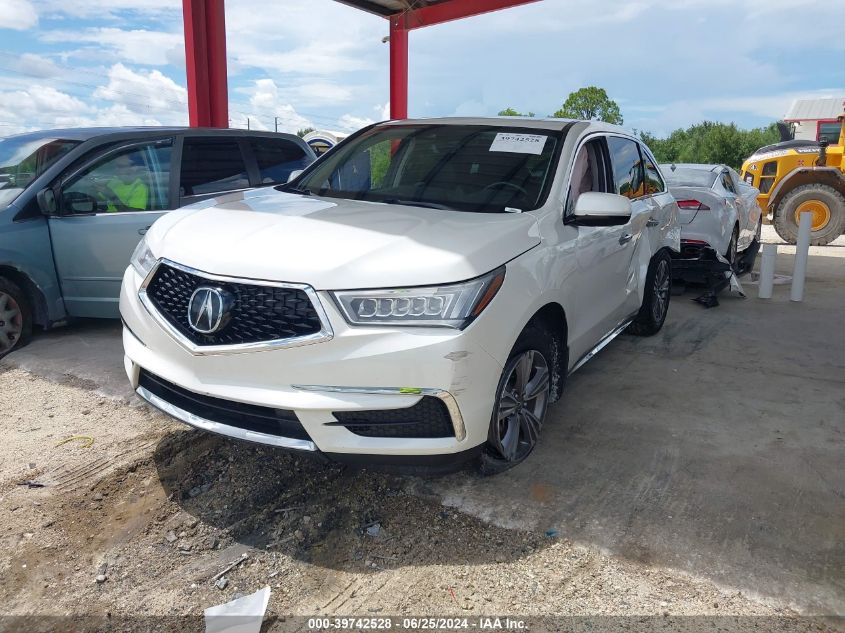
{"x":590,"y":103}
{"x":306,"y":130}
{"x":711,"y":143}
{"x":512,"y":112}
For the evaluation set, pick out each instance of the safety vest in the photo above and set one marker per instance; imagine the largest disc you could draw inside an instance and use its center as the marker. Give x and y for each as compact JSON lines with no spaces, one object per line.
{"x":133,"y":195}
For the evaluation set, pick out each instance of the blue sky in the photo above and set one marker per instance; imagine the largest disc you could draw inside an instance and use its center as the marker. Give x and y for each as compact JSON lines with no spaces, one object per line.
{"x":668,"y":63}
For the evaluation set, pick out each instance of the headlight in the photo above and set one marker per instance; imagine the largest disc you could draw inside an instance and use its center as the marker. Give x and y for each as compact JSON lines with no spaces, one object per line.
{"x":142,"y":259}
{"x":453,"y":305}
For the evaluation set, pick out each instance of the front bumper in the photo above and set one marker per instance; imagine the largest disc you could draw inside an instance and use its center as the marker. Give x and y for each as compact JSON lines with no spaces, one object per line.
{"x":358,"y":369}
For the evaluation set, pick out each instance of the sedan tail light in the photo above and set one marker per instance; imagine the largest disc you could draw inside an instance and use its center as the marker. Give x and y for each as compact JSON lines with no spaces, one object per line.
{"x":692,"y":205}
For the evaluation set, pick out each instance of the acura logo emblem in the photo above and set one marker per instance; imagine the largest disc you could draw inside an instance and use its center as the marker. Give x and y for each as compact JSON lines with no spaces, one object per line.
{"x":209,"y":309}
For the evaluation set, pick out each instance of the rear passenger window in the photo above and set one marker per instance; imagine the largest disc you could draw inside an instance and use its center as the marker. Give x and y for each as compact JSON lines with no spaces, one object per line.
{"x":627,"y":167}
{"x":277,"y":158}
{"x":653,"y":181}
{"x":211,"y":165}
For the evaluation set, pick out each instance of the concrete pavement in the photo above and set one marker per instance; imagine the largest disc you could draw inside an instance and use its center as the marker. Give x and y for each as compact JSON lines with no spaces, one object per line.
{"x":716,"y":447}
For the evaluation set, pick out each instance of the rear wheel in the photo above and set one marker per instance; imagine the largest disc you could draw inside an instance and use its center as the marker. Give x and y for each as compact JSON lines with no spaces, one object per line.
{"x":655,"y":306}
{"x":522,"y":397}
{"x":827,"y":207}
{"x":15,"y":317}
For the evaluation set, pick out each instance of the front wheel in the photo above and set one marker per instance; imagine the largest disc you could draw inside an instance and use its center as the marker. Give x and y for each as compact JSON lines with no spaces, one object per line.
{"x":655,"y":306}
{"x":15,"y":317}
{"x":522,"y":397}
{"x":827,"y":207}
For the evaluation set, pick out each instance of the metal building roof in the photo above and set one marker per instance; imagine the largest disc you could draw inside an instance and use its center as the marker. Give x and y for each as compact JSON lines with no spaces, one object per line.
{"x":816,"y":109}
{"x":387,"y":8}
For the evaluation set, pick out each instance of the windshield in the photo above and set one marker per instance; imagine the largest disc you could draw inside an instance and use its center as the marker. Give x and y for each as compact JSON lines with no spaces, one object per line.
{"x":481,"y":168}
{"x":688,"y":177}
{"x":23,"y":159}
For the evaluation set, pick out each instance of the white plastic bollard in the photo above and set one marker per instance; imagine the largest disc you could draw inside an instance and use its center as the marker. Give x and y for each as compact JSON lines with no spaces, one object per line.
{"x":767,"y":271}
{"x":802,"y":252}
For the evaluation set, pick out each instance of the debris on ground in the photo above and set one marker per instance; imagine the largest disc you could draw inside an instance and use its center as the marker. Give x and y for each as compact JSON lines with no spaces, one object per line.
{"x":244,"y":532}
{"x":244,"y":614}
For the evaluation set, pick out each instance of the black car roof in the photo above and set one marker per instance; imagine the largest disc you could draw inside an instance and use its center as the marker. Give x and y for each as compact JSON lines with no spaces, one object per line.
{"x":88,"y":133}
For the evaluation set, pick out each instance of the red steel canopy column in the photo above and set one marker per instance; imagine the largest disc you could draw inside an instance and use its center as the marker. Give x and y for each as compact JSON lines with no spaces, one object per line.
{"x":428,"y":15}
{"x":205,"y":48}
{"x":205,"y":57}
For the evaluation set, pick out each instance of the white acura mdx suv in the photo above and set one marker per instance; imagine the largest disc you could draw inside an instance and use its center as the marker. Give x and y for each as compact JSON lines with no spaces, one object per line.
{"x":416,"y":297}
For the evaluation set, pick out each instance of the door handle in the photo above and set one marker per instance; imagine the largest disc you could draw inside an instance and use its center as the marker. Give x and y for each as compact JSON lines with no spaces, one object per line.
{"x":144,"y":230}
{"x":652,"y":222}
{"x":627,"y":237}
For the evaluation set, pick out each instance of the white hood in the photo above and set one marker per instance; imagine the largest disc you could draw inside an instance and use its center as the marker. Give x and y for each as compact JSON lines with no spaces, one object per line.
{"x":335,"y":244}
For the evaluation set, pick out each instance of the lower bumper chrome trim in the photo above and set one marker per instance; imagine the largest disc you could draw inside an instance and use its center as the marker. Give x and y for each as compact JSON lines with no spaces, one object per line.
{"x":447,"y":398}
{"x":223,"y":429}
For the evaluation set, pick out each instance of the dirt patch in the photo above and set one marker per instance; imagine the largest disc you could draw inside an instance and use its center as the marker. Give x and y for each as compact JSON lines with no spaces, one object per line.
{"x":142,"y":521}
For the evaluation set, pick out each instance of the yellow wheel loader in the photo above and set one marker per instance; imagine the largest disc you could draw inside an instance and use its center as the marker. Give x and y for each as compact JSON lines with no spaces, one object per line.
{"x":797,"y":176}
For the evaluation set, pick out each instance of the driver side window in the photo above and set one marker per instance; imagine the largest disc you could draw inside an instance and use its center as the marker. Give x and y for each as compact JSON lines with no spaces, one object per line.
{"x":589,"y":172}
{"x":134,"y":179}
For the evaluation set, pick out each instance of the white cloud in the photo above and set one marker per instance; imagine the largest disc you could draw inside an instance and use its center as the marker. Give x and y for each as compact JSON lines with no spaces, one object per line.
{"x":266,"y":105}
{"x":37,"y":66}
{"x":127,"y":98}
{"x":109,"y":9}
{"x":137,"y":46}
{"x":37,"y":106}
{"x":19,"y":15}
{"x":304,"y":37}
{"x":663,"y":119}
{"x":143,"y":92}
{"x":315,"y":58}
{"x":42,"y":100}
{"x":350,"y":123}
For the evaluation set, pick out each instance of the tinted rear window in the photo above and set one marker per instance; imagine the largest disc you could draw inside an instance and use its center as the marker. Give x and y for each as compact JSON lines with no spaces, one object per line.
{"x":689,"y":177}
{"x":211,"y":165}
{"x":277,"y":158}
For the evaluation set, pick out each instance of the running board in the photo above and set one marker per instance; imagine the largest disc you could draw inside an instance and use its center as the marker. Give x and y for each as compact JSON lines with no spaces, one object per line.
{"x":602,"y":344}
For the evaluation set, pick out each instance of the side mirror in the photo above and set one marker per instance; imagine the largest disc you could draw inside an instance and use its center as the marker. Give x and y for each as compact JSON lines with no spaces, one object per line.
{"x":47,"y":201}
{"x":601,"y":209}
{"x":295,"y":174}
{"x":78,"y":202}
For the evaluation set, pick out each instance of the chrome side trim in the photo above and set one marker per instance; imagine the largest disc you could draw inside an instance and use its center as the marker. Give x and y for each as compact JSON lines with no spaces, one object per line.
{"x":441,"y":394}
{"x":602,"y":344}
{"x":223,"y":429}
{"x":325,"y":334}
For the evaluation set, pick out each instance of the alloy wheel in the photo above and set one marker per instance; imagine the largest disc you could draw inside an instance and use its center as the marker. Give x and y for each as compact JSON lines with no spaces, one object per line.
{"x":662,"y":288}
{"x":11,"y":322}
{"x":521,"y":406}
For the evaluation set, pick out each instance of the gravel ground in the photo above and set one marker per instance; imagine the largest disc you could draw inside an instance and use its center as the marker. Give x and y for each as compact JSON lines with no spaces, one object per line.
{"x":138,"y":515}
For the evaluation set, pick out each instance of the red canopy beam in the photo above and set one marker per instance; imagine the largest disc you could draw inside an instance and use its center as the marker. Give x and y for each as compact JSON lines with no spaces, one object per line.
{"x":205,"y":57}
{"x":401,"y":23}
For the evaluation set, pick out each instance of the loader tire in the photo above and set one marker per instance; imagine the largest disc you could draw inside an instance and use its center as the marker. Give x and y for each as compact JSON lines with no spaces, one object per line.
{"x":827,"y":206}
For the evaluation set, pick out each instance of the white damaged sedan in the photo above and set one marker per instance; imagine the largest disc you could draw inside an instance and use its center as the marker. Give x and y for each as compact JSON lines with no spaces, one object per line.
{"x":416,"y":297}
{"x":717,"y":209}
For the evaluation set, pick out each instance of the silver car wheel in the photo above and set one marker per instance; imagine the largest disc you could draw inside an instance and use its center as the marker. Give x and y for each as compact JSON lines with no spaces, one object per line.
{"x":11,"y":322}
{"x":662,"y":287}
{"x":522,"y":405}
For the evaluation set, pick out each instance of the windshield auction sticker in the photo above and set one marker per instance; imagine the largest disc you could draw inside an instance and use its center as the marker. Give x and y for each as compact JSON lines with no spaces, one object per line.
{"x":518,"y":143}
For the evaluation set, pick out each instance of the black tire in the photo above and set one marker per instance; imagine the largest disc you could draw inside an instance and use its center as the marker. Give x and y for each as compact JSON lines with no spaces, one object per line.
{"x":536,"y":339}
{"x":786,"y":225}
{"x":655,"y":307}
{"x":15,"y":317}
{"x":748,"y":257}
